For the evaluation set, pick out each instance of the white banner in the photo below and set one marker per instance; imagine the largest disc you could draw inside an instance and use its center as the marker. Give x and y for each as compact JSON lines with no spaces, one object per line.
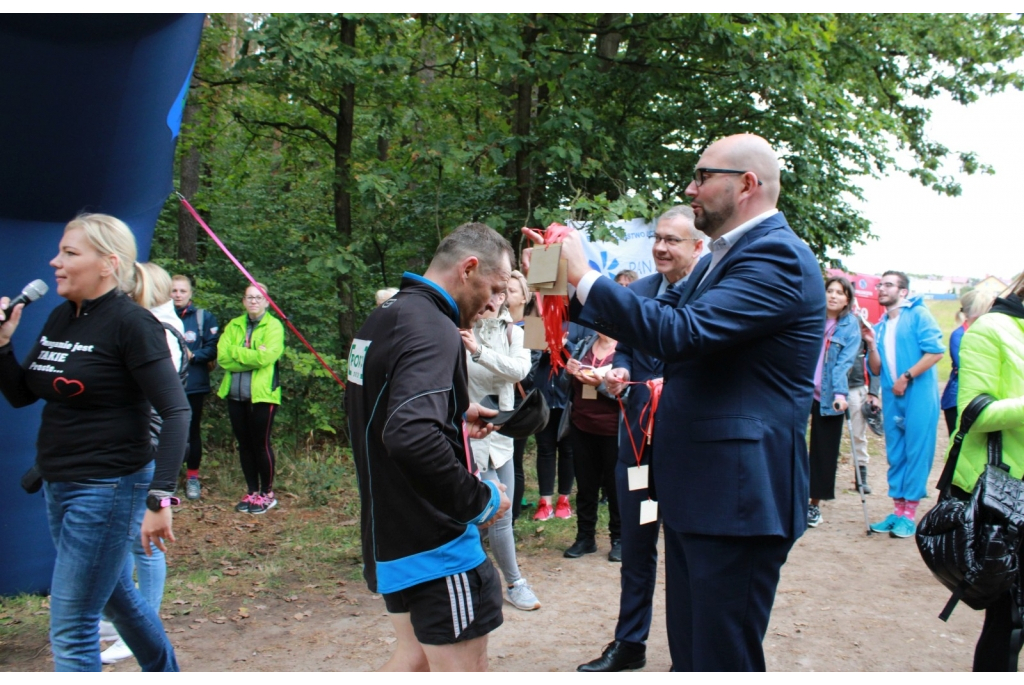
{"x":631,"y":252}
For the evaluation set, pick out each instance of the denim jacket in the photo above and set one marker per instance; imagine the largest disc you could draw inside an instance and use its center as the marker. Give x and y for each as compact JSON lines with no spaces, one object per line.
{"x":841,"y":353}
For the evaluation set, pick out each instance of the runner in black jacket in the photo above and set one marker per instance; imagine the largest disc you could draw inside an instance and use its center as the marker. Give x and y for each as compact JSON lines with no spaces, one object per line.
{"x":421,"y":500}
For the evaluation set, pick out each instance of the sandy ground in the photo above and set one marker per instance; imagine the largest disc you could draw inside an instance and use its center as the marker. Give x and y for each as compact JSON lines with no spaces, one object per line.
{"x":846,"y":602}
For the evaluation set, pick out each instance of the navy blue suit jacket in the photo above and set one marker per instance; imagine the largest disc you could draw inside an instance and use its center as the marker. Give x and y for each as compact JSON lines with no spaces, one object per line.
{"x":740,"y":351}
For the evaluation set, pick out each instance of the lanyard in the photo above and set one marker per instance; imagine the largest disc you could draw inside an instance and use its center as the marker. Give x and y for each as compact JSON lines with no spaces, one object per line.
{"x":646,"y":417}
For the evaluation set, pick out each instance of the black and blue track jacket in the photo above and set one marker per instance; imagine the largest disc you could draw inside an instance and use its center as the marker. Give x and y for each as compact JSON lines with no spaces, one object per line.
{"x":406,"y":398}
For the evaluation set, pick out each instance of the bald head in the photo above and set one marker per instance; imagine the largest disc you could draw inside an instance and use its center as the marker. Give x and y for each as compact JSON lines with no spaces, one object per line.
{"x":739,"y":181}
{"x":752,"y":153}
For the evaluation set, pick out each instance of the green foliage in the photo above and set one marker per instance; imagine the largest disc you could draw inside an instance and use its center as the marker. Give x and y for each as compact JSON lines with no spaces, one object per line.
{"x":338,"y":149}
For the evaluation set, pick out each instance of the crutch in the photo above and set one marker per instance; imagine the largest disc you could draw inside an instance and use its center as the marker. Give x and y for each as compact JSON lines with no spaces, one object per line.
{"x":856,"y":474}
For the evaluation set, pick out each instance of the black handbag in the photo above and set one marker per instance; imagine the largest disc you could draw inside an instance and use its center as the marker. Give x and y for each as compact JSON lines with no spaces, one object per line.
{"x":971,"y":545}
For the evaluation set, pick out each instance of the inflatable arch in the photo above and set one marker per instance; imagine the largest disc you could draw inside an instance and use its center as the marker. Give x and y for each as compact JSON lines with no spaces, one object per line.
{"x":92,"y":108}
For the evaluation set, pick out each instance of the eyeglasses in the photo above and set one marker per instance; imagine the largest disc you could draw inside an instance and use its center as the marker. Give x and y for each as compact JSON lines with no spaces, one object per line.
{"x":671,"y":240}
{"x":700,"y":174}
{"x":253,"y":298}
{"x":879,"y":286}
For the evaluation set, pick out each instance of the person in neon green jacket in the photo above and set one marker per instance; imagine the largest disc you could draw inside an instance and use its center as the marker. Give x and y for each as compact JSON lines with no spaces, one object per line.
{"x":249,"y":349}
{"x":992,"y":362}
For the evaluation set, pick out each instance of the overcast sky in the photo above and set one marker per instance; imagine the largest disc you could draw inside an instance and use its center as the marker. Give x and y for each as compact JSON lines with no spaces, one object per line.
{"x":981,"y":232}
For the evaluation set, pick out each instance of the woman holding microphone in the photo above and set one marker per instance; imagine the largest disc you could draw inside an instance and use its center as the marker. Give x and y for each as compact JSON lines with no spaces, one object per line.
{"x":100,"y":363}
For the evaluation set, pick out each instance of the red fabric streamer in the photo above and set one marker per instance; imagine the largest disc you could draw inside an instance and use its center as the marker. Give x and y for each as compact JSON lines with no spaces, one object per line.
{"x":554,"y":309}
{"x":245,"y":272}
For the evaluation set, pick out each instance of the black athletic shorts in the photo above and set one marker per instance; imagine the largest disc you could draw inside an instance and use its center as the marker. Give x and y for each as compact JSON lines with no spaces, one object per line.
{"x":451,"y":609}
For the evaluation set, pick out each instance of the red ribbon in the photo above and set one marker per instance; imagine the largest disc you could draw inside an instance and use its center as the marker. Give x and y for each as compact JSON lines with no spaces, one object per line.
{"x":554,"y":309}
{"x":256,"y":285}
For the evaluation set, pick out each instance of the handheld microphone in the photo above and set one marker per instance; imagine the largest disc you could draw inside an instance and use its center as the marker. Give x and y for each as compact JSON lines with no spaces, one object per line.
{"x":32,"y":292}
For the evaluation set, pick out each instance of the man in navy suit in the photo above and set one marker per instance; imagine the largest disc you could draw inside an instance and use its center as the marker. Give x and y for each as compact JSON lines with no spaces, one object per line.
{"x":740,"y":344}
{"x":677,"y":246}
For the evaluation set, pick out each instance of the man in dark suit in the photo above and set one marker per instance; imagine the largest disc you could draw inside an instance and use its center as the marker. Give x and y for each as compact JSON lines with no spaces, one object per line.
{"x":740,"y":344}
{"x":677,"y":247}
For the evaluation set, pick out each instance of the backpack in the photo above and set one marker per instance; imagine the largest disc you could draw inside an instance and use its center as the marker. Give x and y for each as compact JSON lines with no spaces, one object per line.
{"x":156,"y":423}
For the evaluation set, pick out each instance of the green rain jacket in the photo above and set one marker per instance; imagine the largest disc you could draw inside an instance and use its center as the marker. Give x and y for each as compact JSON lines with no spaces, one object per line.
{"x":992,"y":362}
{"x":234,"y":356}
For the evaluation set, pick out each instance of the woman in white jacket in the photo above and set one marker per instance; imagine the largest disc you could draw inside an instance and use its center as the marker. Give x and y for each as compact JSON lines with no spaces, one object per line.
{"x":152,"y":291}
{"x":497,"y":361}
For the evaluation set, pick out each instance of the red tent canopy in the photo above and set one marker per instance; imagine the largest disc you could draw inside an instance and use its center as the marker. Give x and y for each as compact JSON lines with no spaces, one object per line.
{"x":865,"y":292}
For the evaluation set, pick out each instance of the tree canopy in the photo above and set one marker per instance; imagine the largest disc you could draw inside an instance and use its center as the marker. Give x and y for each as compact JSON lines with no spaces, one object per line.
{"x":333,"y":151}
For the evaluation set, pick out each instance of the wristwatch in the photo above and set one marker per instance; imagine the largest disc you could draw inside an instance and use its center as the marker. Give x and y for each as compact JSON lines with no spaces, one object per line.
{"x":154,"y":503}
{"x":909,"y":376}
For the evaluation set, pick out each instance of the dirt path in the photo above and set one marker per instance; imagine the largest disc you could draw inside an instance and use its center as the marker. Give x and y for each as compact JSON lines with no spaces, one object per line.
{"x":846,"y":602}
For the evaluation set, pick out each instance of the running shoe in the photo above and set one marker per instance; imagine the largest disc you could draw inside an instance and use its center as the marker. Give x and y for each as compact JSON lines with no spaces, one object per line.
{"x":263,"y":504}
{"x":108,"y":631}
{"x":886,"y":524}
{"x":115,"y":652}
{"x":813,"y":516}
{"x":562,"y":508}
{"x":521,"y":596}
{"x":243,"y":506}
{"x":903,"y":528}
{"x":192,"y":488}
{"x":544,"y":511}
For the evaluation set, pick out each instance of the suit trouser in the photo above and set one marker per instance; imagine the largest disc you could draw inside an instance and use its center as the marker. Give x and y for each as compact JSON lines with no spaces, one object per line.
{"x":639,"y":562}
{"x":719,"y":592}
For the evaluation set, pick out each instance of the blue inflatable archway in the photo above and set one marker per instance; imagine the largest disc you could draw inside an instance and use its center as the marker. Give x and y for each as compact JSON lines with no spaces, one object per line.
{"x":92,"y":108}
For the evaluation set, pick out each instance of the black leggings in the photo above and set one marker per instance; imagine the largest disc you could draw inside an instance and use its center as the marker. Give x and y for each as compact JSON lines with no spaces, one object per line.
{"x":951,"y":417}
{"x":993,"y":650}
{"x":519,"y":478}
{"x":195,"y":440}
{"x":594,"y":457}
{"x":251,"y":423}
{"x":547,"y":447}
{"x":826,"y":437}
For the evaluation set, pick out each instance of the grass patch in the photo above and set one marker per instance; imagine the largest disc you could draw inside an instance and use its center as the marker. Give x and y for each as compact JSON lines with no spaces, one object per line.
{"x":944,"y":312}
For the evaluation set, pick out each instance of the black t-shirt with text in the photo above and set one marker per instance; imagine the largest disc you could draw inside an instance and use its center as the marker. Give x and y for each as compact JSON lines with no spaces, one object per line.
{"x":96,"y":420}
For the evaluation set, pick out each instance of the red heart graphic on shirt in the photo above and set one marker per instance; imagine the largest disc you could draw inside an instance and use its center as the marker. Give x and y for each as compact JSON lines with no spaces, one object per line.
{"x":68,"y":388}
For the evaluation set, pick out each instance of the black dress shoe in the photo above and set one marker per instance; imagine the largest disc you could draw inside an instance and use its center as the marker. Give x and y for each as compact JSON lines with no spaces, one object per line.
{"x":581,"y":547}
{"x":616,"y":553}
{"x":617,"y":656}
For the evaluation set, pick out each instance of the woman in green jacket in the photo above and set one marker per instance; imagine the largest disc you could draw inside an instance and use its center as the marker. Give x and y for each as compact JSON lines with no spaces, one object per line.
{"x":992,"y":362}
{"x":248,"y":350}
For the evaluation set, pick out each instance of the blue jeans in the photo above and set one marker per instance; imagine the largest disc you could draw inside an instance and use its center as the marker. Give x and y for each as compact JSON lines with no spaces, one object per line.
{"x":93,"y":523}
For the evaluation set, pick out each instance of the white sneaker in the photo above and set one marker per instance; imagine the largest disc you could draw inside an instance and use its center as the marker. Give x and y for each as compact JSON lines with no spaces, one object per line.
{"x":521,"y":596}
{"x":108,"y":631}
{"x":115,"y":652}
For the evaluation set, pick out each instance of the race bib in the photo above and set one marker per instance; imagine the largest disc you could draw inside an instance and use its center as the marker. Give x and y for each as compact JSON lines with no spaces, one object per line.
{"x":356,"y":360}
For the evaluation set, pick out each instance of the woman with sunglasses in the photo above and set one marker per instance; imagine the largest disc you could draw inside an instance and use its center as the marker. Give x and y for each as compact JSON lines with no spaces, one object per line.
{"x":249,"y":349}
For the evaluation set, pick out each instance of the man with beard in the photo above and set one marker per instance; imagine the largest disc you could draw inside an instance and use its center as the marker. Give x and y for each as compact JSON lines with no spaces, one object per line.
{"x":677,"y":246}
{"x":410,"y":421}
{"x":903,"y":349}
{"x":740,"y":344}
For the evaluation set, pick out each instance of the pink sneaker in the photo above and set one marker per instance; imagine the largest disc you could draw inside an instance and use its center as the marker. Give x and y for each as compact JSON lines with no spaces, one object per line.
{"x":562,"y":508}
{"x":544,"y":511}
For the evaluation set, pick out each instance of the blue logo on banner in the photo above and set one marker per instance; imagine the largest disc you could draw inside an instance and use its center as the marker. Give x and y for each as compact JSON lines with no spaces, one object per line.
{"x":605,"y":267}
